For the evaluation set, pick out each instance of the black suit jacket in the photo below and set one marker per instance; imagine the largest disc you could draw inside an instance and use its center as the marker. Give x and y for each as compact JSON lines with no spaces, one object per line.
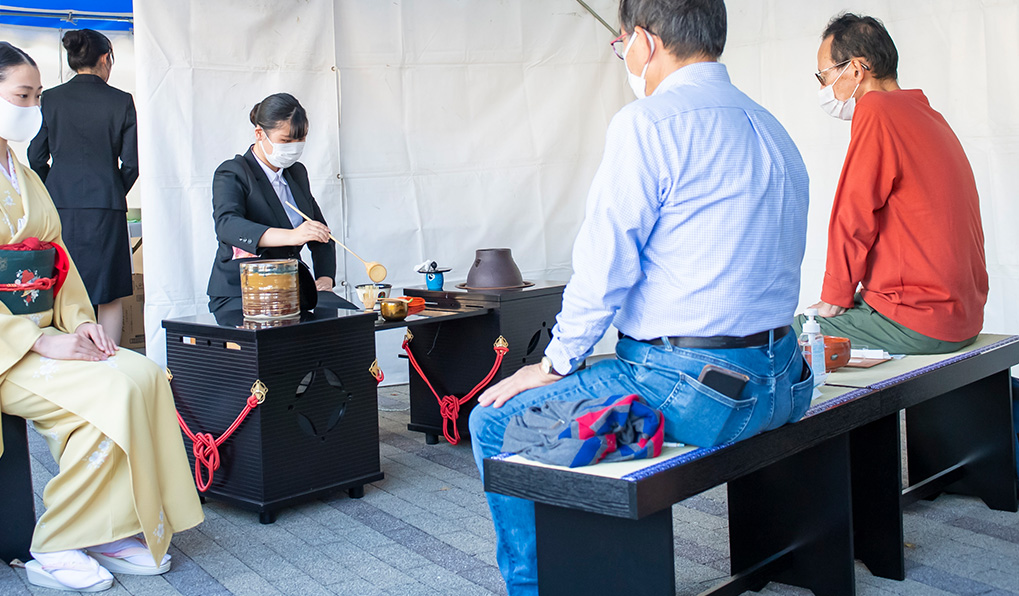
{"x":245,"y":205}
{"x":89,"y":130}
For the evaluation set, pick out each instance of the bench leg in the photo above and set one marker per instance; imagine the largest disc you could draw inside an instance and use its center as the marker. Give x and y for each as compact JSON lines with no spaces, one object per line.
{"x":972,"y":427}
{"x":876,"y":460}
{"x":17,"y":503}
{"x":588,"y":553}
{"x":796,"y":515}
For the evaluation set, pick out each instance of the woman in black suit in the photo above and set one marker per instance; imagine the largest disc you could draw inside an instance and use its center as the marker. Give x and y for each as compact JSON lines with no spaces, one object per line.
{"x":89,"y":132}
{"x":249,"y":193}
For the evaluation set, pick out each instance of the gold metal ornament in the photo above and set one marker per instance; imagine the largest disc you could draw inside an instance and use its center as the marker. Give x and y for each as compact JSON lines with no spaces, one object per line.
{"x":375,"y":370}
{"x":259,"y":390}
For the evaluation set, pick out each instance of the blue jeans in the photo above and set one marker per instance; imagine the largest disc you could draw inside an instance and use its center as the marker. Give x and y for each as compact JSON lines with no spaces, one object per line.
{"x":666,"y":378}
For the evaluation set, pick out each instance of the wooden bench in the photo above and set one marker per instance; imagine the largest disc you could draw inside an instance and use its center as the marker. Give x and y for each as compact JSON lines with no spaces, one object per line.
{"x":804,"y":500}
{"x":17,"y":503}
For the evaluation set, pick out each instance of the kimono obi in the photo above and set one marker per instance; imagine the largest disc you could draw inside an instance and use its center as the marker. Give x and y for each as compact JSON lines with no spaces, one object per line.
{"x":31,"y":273}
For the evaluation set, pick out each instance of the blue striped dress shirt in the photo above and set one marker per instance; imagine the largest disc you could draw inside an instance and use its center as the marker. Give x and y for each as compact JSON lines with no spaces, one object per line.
{"x":695,"y":222}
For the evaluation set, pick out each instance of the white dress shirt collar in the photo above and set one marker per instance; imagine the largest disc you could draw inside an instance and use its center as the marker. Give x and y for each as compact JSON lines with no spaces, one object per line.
{"x":698,"y":71}
{"x":275,"y":178}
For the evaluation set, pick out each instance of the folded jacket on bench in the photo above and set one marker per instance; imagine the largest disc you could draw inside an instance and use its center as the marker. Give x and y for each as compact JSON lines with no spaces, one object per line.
{"x":584,"y":432}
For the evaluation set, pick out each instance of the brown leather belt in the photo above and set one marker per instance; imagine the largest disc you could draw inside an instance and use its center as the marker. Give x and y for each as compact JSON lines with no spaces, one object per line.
{"x":718,"y":342}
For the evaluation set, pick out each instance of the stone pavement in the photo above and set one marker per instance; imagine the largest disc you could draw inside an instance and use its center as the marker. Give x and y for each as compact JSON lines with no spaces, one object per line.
{"x":425,"y":530}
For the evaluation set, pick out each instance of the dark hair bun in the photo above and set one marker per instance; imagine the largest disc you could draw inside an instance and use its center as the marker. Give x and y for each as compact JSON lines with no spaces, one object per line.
{"x":74,"y":41}
{"x":253,"y":116}
{"x":85,"y":47}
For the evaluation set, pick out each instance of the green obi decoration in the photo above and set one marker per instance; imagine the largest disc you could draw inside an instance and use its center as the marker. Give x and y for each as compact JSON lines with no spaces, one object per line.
{"x":27,"y":280}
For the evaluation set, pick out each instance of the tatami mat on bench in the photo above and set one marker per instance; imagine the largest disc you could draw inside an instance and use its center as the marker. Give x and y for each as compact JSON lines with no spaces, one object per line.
{"x":839,"y":385}
{"x":868,"y":377}
{"x":625,"y":468}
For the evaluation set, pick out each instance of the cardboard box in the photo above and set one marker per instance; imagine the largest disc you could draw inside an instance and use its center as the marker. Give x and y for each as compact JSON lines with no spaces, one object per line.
{"x":133,"y":332}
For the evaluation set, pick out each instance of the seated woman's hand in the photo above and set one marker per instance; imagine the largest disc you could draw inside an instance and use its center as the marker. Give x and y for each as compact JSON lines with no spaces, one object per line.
{"x":310,"y":231}
{"x":69,"y":346}
{"x":97,"y":335}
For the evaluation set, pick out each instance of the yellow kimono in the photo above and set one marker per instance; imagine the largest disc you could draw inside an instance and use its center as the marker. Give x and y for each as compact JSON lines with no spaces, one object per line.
{"x":111,"y":425}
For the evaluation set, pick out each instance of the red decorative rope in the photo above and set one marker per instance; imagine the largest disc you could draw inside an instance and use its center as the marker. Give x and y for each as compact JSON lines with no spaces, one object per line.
{"x":376,"y":372}
{"x":449,"y":405}
{"x":206,"y":448}
{"x":38,"y":283}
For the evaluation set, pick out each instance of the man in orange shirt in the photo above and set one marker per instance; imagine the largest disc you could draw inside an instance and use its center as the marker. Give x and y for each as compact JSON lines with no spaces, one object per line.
{"x":905,"y":269}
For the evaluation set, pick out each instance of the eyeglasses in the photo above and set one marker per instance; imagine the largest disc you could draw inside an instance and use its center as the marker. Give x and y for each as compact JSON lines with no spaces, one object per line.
{"x":820,"y":74}
{"x":615,"y":45}
{"x":619,"y":49}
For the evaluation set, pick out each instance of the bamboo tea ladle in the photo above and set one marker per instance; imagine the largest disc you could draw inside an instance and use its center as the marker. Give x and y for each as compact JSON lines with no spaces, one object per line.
{"x":376,"y":271}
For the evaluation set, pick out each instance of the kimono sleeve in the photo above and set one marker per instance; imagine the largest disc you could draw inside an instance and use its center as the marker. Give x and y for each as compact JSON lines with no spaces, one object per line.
{"x":17,"y":336}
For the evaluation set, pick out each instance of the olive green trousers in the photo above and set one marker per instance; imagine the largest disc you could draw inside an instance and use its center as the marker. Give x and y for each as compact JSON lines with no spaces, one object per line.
{"x":867,"y":328}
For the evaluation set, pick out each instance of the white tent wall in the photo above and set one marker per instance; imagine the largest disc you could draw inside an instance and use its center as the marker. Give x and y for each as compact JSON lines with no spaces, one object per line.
{"x":468,"y":125}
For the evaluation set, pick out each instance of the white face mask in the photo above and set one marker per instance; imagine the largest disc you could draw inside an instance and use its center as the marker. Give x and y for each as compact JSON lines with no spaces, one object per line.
{"x":638,"y":83}
{"x":834,"y":106}
{"x":283,"y":155}
{"x":19,"y":124}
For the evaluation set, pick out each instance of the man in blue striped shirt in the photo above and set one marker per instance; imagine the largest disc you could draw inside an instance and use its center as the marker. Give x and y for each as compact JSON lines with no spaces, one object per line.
{"x":691,"y":245}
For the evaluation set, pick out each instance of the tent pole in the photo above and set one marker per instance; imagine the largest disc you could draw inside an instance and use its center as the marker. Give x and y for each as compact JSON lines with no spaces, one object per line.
{"x":598,"y":16}
{"x":60,"y":53}
{"x":343,"y":182}
{"x":66,"y":15}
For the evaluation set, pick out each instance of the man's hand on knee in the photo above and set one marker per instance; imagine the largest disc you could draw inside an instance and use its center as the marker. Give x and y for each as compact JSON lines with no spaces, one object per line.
{"x":828,"y":310}
{"x":528,"y":377}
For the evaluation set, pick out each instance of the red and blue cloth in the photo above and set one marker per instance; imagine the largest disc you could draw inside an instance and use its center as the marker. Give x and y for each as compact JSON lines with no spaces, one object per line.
{"x":585,"y":432}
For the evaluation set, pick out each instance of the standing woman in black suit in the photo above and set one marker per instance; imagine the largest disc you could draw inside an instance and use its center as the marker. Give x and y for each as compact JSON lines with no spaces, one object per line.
{"x":249,"y":196}
{"x":89,"y":133}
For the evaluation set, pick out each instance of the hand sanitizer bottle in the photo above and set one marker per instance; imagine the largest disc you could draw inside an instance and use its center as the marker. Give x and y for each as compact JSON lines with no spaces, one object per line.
{"x":813,"y":346}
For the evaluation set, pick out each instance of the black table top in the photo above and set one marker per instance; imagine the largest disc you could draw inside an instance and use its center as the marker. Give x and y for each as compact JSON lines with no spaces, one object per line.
{"x":449,"y":303}
{"x":452,"y":296}
{"x":234,"y":319}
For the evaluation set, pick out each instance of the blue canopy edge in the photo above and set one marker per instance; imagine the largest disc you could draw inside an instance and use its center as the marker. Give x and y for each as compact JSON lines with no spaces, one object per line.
{"x":101,"y":15}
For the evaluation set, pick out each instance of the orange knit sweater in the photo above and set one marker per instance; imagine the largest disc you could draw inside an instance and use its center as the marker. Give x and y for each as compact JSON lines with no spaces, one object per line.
{"x":906,"y":220}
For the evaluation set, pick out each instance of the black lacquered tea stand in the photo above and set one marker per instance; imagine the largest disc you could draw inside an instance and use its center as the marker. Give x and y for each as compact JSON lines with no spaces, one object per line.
{"x":317,"y":430}
{"x":456,"y":353}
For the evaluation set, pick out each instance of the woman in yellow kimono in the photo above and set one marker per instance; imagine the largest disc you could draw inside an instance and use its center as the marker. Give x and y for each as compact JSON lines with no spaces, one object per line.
{"x":107,"y":414}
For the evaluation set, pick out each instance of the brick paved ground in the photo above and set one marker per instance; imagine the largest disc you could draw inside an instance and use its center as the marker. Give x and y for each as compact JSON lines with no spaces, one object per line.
{"x":425,"y":530}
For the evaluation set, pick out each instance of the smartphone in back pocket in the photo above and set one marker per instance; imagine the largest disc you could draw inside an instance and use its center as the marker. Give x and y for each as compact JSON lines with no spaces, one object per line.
{"x":727,"y":382}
